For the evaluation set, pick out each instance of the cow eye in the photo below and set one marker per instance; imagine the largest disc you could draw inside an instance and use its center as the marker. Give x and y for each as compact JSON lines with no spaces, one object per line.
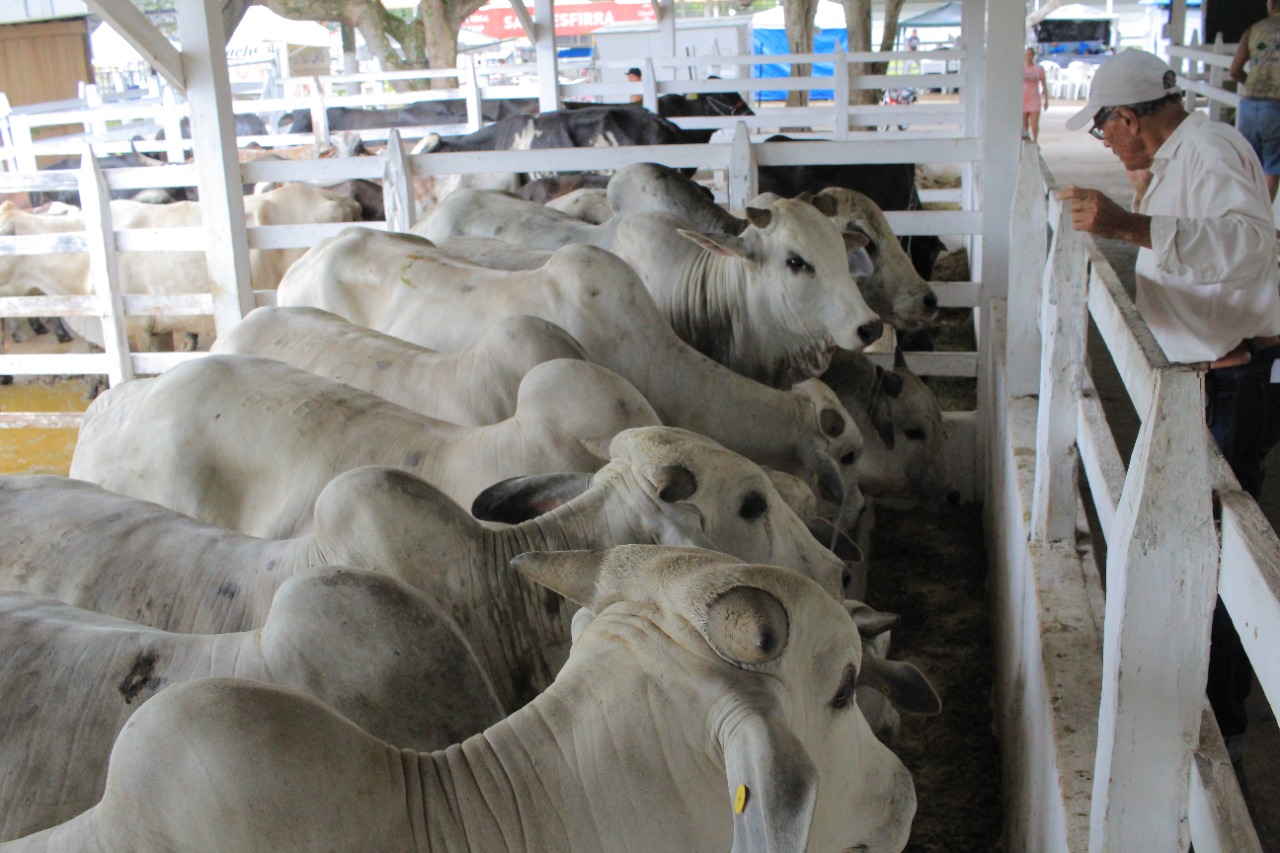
{"x":915,"y":434}
{"x":845,"y":694}
{"x":753,"y":506}
{"x":795,"y":263}
{"x":848,"y":458}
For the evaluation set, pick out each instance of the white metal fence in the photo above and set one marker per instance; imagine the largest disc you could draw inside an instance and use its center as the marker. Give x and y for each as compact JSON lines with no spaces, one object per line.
{"x":1110,"y":744}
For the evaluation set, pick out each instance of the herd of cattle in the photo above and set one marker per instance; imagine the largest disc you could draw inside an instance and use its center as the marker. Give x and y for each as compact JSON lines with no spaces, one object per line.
{"x":517,"y":532}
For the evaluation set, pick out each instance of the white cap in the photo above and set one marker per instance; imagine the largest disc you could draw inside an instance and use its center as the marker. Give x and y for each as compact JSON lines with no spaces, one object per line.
{"x":1130,"y":77}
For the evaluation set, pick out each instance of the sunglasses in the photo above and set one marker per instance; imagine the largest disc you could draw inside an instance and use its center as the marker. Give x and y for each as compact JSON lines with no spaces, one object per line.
{"x":1099,"y":119}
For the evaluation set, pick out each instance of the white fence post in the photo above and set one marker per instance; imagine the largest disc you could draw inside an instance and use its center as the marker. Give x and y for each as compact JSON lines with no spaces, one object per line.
{"x":840,"y":96}
{"x":104,"y":272}
{"x":1161,"y":582}
{"x":470,"y":80}
{"x":6,"y":136}
{"x":1028,"y":227}
{"x":743,"y":178}
{"x":319,"y":115}
{"x":1063,"y":316}
{"x":649,"y":82}
{"x":23,"y":145}
{"x":1216,"y":77}
{"x":176,"y":151}
{"x":397,"y":186}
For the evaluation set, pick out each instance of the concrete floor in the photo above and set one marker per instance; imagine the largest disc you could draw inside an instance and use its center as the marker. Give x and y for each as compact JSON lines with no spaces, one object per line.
{"x":1076,"y":157}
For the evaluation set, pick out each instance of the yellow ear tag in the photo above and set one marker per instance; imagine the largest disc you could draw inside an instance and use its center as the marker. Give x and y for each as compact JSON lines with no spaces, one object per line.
{"x":740,"y":799}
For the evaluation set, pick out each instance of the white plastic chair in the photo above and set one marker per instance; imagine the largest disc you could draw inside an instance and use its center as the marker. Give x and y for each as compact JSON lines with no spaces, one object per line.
{"x":1052,"y":78}
{"x":1076,"y":80}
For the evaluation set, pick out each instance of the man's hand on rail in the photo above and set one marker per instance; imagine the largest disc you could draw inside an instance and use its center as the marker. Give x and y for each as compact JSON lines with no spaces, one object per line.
{"x":1094,"y":213}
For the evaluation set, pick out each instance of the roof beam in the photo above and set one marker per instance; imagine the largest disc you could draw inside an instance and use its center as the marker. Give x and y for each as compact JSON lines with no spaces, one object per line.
{"x":143,"y":36}
{"x":526,"y":20}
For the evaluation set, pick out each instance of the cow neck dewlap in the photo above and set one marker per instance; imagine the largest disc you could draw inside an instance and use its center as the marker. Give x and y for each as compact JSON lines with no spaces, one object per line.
{"x":590,"y":746}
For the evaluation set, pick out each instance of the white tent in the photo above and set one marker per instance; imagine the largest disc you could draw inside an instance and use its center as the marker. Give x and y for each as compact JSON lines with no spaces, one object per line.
{"x":260,"y":25}
{"x":1080,"y":12}
{"x":830,"y":16}
{"x":109,"y":49}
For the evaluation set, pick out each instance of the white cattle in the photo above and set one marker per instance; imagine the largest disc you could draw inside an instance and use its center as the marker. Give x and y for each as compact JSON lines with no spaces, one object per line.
{"x":447,"y":304}
{"x":891,"y":286}
{"x":883,"y":270}
{"x":637,"y":188}
{"x":248,"y":443}
{"x":904,"y":451}
{"x":773,"y":303}
{"x":159,"y":273}
{"x":75,"y":542}
{"x":710,"y":706}
{"x":473,"y":387}
{"x":588,"y":204}
{"x":384,"y":656}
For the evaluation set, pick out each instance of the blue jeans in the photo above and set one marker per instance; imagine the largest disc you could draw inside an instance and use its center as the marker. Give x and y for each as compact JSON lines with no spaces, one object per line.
{"x":1242,"y":407}
{"x":1258,"y":120}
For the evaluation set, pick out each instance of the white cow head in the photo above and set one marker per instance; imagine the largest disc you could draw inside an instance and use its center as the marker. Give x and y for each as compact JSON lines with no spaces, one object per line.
{"x":884,"y":272}
{"x":904,"y":454}
{"x":790,"y":299}
{"x":769,"y":663}
{"x":684,"y":488}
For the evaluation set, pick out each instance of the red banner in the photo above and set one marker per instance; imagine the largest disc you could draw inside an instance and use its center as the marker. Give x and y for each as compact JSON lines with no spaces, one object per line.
{"x":572,"y":18}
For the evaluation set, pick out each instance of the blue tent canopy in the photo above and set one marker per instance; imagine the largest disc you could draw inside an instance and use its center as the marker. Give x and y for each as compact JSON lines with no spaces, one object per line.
{"x":774,"y":42}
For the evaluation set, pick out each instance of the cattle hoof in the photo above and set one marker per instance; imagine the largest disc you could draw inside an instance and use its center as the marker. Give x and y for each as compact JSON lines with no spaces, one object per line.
{"x":95,"y":388}
{"x":6,"y":380}
{"x":190,"y":342}
{"x":36,"y":326}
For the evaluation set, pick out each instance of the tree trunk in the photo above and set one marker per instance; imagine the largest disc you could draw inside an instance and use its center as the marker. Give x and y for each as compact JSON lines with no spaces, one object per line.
{"x":857,"y":20}
{"x":857,"y":15}
{"x":798,"y":18}
{"x":441,"y":39}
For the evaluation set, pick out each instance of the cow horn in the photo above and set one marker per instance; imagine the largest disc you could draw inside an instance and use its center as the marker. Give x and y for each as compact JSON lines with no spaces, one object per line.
{"x":871,"y":622}
{"x":759,"y":218}
{"x":748,"y":626}
{"x":899,"y":358}
{"x":806,"y":197}
{"x":573,"y":574}
{"x":905,"y":686}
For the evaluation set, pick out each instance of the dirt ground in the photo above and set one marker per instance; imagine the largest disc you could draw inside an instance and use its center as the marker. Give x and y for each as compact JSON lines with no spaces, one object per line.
{"x":931,"y":569}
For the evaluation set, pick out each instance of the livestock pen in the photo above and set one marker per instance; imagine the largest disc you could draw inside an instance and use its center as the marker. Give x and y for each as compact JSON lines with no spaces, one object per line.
{"x":1100,"y":751}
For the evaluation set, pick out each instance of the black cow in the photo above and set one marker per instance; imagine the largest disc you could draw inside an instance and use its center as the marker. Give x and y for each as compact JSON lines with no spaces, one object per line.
{"x":591,"y":127}
{"x":892,"y":186}
{"x":418,"y":114}
{"x":707,"y":104}
{"x":551,"y":187}
{"x":133,"y":159}
{"x":247,"y":124}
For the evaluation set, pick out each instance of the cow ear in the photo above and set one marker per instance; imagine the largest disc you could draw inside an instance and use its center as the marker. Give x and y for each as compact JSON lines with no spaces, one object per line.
{"x":806,"y":197}
{"x":747,"y":626}
{"x":826,"y":205}
{"x":719,"y":244}
{"x":773,"y":786}
{"x":759,"y":217}
{"x":902,"y":683}
{"x":860,"y":263}
{"x":522,"y":498}
{"x":878,"y":412}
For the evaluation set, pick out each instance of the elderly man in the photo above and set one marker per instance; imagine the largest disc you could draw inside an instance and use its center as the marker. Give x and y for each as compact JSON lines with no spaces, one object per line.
{"x":1206,"y":279}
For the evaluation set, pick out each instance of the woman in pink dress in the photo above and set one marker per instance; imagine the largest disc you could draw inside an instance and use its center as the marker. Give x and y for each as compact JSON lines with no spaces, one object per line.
{"x":1035,"y":95}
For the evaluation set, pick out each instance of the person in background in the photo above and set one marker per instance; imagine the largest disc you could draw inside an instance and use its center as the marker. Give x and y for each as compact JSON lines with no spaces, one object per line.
{"x":1035,"y":95}
{"x":634,"y":75}
{"x":1259,"y":114}
{"x":913,"y":44}
{"x":1207,"y":283}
